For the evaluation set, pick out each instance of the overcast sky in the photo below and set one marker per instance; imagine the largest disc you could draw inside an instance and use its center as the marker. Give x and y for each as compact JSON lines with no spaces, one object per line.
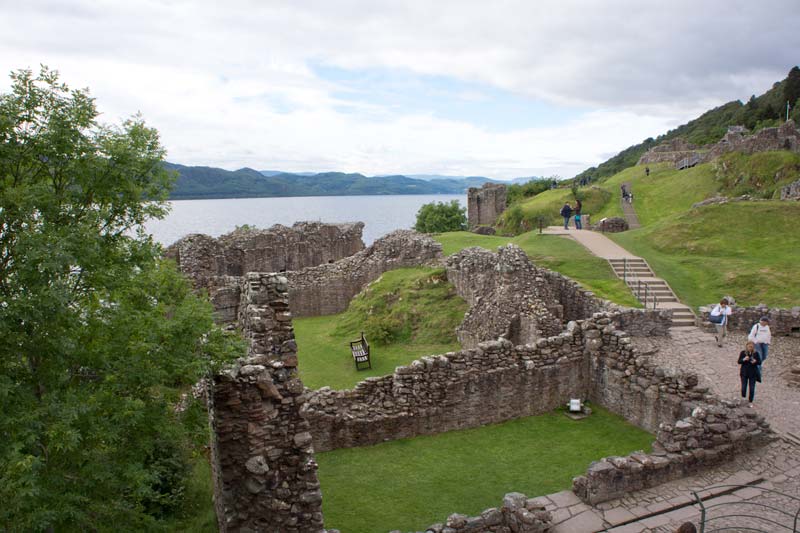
{"x":495,"y":88}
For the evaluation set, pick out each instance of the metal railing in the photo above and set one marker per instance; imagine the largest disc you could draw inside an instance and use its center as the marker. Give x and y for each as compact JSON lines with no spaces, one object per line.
{"x":641,"y":289}
{"x":739,"y":513}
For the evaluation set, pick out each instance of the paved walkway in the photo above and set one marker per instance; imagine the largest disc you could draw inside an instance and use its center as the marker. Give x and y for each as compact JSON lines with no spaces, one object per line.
{"x":601,"y":246}
{"x":694,"y":350}
{"x":629,"y":211}
{"x":594,"y":241}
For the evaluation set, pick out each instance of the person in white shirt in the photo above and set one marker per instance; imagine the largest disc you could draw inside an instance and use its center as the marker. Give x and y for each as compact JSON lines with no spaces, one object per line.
{"x":723,"y":309}
{"x":762,"y":337}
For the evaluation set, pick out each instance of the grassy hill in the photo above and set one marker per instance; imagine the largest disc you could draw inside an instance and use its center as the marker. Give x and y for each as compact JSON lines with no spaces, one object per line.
{"x":759,"y":112}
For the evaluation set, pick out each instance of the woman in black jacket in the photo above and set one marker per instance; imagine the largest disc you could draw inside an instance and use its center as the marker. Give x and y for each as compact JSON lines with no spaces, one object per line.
{"x":748,"y":369}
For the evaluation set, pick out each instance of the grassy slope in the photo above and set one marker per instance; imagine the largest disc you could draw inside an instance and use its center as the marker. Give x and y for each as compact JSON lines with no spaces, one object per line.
{"x":415,"y":307}
{"x":412,"y":483}
{"x":548,"y":204}
{"x":745,"y":249}
{"x":556,"y":253}
{"x":748,"y":250}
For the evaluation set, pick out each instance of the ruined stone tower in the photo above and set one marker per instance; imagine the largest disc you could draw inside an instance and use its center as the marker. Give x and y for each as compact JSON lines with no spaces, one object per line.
{"x":485,"y":204}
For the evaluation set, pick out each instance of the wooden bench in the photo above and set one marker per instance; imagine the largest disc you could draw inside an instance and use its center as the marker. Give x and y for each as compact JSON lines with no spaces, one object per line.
{"x":360,"y":351}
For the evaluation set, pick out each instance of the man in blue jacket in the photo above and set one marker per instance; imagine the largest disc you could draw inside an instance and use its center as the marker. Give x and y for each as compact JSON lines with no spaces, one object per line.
{"x":566,"y":212}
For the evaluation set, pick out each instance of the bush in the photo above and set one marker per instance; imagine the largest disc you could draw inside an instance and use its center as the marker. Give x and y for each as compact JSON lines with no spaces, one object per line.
{"x":438,"y":217}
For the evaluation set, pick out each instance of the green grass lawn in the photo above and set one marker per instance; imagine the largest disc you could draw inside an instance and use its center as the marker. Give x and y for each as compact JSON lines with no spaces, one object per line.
{"x":556,"y":253}
{"x":412,"y":483}
{"x":748,"y":250}
{"x":406,"y":314}
{"x":548,"y":205}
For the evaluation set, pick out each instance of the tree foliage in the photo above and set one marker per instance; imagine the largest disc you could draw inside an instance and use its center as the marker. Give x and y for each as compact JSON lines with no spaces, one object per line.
{"x":438,"y":217}
{"x":791,"y":88}
{"x":517,"y":192}
{"x":97,"y":336}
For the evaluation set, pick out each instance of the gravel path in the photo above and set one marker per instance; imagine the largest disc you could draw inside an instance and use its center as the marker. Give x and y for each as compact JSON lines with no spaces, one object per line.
{"x":694,"y":350}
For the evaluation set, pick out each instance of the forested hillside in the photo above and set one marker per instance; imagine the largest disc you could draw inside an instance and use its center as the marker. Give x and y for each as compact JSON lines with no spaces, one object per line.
{"x":759,"y":112}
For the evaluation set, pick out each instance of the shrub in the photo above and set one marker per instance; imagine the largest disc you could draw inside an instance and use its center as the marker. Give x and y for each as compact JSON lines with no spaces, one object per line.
{"x":438,"y":217}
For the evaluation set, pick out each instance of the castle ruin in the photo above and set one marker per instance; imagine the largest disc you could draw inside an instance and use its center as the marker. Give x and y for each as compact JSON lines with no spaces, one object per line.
{"x":485,"y":204}
{"x":532,"y":338}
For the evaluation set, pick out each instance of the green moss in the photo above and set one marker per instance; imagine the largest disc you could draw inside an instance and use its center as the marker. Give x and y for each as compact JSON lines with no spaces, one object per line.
{"x":412,"y":483}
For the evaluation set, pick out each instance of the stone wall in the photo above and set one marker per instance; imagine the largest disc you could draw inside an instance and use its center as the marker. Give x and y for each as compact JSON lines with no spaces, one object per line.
{"x":781,"y":321}
{"x":485,"y":204}
{"x":611,"y":225}
{"x":327,"y":289}
{"x":629,"y":384}
{"x":276,"y":249}
{"x":491,"y":383}
{"x":519,"y":514}
{"x":784,"y":137}
{"x":791,"y":191}
{"x":512,"y":298}
{"x":498,"y":381}
{"x":263,"y":465}
{"x":710,"y":435}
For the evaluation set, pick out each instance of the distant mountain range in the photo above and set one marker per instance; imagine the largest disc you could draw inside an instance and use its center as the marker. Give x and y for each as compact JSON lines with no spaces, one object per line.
{"x":210,"y":182}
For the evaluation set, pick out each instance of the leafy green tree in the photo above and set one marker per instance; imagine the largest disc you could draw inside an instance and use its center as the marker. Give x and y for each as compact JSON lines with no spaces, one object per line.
{"x":791,"y":89}
{"x":438,"y":217}
{"x":97,"y":336}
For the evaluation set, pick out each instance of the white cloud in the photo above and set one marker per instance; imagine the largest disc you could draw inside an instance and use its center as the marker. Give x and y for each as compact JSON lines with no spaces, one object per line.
{"x":230,"y":84}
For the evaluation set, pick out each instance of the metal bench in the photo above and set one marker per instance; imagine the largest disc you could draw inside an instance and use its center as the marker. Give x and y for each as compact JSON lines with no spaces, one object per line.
{"x":360,"y":350}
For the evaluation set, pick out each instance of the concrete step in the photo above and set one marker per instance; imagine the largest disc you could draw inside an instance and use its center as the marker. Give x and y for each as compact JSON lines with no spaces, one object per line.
{"x":682,"y":323}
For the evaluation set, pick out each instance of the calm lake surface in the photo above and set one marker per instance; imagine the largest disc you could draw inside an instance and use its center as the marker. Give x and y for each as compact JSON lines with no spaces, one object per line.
{"x":380,"y":214}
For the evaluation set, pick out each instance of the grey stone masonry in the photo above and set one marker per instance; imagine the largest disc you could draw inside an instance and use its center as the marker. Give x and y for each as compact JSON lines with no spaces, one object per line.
{"x":485,"y":204}
{"x":518,"y":513}
{"x":327,"y":289}
{"x":781,"y":321}
{"x":710,"y":435}
{"x":791,"y":191}
{"x":265,"y":475}
{"x":498,"y":381}
{"x":276,"y":249}
{"x":784,"y":137}
{"x":512,"y":298}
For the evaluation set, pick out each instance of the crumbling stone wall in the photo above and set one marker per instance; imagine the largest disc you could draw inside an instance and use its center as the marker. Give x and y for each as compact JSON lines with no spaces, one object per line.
{"x":493,"y":382}
{"x":781,"y":321}
{"x":611,"y":225}
{"x":327,"y":289}
{"x":512,"y":298}
{"x":276,"y":249}
{"x":791,"y":191}
{"x":519,"y":514}
{"x":485,"y":204}
{"x":711,"y":434}
{"x":630,"y":384}
{"x":263,"y":465}
{"x":784,"y":137}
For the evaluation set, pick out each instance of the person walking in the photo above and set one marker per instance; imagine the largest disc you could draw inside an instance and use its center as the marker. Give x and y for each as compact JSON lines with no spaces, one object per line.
{"x":761,"y":336}
{"x":646,"y":171}
{"x":748,"y":370}
{"x":624,"y":191}
{"x":578,"y":206}
{"x":566,"y":212}
{"x":719,"y":317}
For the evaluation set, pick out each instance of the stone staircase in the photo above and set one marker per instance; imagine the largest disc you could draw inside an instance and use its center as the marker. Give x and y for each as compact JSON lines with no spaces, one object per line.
{"x":629,"y":211}
{"x":651,"y":291}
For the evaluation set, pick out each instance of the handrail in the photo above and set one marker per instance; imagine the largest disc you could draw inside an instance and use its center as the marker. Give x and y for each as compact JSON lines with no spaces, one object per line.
{"x":704,"y":519}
